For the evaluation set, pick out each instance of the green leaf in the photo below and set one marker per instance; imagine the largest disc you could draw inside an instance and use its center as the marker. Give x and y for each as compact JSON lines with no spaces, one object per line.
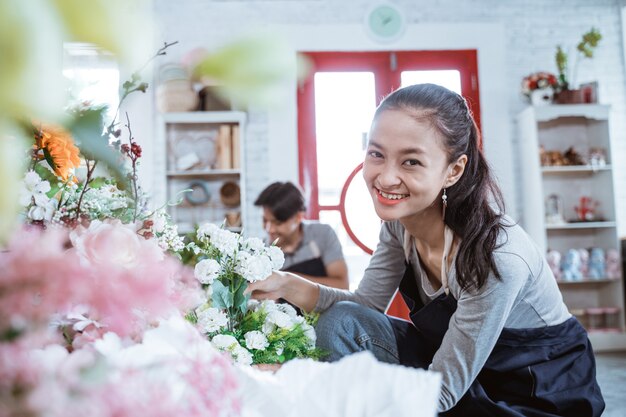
{"x":94,"y":145}
{"x":98,"y":182}
{"x":46,"y":174}
{"x":222,"y":298}
{"x":192,"y":317}
{"x":241,"y":300}
{"x":49,"y":159}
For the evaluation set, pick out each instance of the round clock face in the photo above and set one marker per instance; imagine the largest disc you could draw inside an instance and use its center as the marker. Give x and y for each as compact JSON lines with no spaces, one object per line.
{"x":385,"y":22}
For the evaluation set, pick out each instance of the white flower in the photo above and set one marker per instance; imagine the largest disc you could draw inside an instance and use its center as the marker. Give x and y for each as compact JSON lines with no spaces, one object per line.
{"x":33,"y":187}
{"x":268,"y":327}
{"x":309,"y":332}
{"x":268,"y":306}
{"x":280,"y":319}
{"x":159,"y":221}
{"x":253,"y":267}
{"x":225,"y":241}
{"x":212,"y":319}
{"x":241,"y":356}
{"x":256,"y":340}
{"x":254,"y":244}
{"x":207,"y":230}
{"x":277,"y":256}
{"x":207,"y":270}
{"x":43,"y":212}
{"x":288,"y":309}
{"x":225,"y":342}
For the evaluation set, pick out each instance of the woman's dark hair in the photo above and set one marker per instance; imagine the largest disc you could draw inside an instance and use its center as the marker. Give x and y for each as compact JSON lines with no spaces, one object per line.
{"x":475,"y":204}
{"x":283,"y":199}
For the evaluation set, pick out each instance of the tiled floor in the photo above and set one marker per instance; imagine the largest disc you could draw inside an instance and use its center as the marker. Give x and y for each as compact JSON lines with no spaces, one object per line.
{"x":611,"y":374}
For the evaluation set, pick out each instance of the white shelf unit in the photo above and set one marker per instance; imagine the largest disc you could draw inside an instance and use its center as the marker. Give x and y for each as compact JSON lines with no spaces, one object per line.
{"x":204,"y":150}
{"x":581,"y":126}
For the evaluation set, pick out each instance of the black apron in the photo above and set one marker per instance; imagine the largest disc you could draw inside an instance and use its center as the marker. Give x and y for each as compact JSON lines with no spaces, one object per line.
{"x":314,"y":267}
{"x":539,"y":372}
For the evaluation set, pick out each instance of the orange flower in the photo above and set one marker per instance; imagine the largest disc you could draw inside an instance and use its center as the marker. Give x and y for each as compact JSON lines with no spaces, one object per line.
{"x":60,"y":145}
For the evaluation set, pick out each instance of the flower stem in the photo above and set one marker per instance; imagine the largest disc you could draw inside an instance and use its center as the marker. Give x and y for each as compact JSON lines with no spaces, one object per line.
{"x":133,"y":175}
{"x":90,"y":170}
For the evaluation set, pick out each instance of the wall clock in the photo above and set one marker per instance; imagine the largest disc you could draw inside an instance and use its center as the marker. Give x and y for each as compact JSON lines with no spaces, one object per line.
{"x":385,"y":22}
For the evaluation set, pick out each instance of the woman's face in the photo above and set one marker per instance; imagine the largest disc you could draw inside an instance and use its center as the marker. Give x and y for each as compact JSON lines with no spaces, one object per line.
{"x":405,"y":165}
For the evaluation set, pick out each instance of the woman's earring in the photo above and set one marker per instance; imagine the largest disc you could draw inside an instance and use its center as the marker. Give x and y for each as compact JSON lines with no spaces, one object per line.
{"x":444,"y":199}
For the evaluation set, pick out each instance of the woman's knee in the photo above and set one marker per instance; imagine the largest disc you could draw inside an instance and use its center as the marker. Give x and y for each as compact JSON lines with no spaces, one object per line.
{"x":339,"y":314}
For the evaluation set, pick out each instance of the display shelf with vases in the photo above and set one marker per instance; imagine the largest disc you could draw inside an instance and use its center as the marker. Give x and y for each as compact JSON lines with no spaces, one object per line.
{"x":569,"y":202}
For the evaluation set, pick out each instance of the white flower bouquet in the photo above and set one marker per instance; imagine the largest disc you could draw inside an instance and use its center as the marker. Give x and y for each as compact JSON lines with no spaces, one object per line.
{"x":252,"y":332}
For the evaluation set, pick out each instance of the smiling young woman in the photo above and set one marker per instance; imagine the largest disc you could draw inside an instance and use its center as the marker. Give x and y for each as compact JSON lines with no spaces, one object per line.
{"x":486,"y":312}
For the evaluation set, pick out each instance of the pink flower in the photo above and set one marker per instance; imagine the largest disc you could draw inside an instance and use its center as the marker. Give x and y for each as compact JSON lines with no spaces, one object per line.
{"x":112,"y":243}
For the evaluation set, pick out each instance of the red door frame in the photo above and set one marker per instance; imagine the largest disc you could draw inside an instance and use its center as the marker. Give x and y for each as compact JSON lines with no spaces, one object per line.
{"x":387,"y":67}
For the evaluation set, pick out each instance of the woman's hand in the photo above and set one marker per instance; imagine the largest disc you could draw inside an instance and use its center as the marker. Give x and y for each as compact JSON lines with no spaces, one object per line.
{"x":270,"y":288}
{"x":288,"y":286}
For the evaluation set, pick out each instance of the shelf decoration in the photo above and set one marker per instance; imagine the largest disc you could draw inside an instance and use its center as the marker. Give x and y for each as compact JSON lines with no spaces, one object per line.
{"x":567,"y":91}
{"x":230,"y":194}
{"x":586,"y":210}
{"x":596,"y":268}
{"x":585,"y":265}
{"x":570,"y":157}
{"x":539,"y":87}
{"x":554,"y":210}
{"x":613,"y":270}
{"x":571,"y":266}
{"x":554,"y":261}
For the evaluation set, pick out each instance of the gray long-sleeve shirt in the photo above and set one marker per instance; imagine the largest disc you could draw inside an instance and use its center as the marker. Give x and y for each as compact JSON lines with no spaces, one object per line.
{"x":527,"y":296}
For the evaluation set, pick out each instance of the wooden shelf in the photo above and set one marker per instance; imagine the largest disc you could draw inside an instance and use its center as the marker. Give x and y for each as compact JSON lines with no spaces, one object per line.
{"x":580,"y":225}
{"x":217,"y":117}
{"x":204,"y":173}
{"x":588,"y":281}
{"x":575,"y":169}
{"x":588,"y":111}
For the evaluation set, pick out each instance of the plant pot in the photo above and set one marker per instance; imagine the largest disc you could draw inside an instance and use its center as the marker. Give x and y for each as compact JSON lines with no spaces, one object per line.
{"x":569,"y":97}
{"x":541,"y":97}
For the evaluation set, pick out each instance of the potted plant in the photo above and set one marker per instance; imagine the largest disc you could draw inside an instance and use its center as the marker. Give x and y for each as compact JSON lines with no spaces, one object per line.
{"x":566,"y":92}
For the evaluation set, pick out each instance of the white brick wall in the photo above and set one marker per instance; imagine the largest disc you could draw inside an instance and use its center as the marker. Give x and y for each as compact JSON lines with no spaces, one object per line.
{"x":533,"y":29}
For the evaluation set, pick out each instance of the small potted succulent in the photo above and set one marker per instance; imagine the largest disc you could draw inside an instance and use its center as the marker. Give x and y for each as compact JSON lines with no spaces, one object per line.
{"x":567,"y":93}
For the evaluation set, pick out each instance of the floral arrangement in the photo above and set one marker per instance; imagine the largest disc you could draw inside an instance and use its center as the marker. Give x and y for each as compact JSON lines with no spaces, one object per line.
{"x":96,"y":284}
{"x":66,"y":186}
{"x":537,"y":81}
{"x":250,"y":331}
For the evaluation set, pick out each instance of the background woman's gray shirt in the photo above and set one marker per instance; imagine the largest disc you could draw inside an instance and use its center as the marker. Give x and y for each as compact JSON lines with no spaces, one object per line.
{"x":319,"y":240}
